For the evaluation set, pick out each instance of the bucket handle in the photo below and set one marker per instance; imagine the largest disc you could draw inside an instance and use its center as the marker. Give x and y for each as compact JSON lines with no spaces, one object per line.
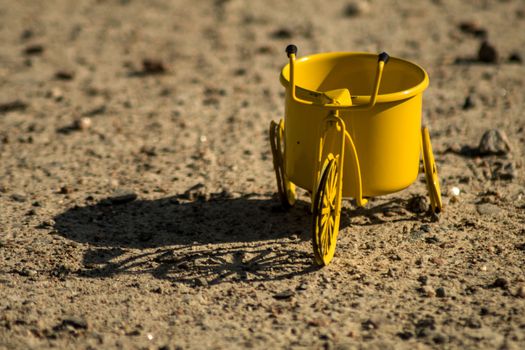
{"x":382,"y":59}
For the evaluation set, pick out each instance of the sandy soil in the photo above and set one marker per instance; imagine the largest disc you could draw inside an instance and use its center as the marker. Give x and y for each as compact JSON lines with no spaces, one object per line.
{"x":170,"y":101}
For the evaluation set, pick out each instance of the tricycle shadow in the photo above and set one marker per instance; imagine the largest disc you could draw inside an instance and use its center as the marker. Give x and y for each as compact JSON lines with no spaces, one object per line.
{"x":205,"y":241}
{"x":392,"y":211}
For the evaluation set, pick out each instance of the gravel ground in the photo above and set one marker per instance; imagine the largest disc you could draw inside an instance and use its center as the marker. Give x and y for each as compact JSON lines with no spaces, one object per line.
{"x":137,"y":195}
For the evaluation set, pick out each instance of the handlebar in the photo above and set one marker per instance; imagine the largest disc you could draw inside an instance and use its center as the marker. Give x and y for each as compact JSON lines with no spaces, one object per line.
{"x":382,"y":59}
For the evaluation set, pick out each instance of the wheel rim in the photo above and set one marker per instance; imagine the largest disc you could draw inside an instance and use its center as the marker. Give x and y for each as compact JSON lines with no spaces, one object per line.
{"x":326,"y":217}
{"x":431,"y":174}
{"x":285,"y":188}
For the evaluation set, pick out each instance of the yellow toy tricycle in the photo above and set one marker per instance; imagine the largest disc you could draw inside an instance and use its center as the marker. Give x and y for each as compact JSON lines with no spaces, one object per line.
{"x":346,"y":135}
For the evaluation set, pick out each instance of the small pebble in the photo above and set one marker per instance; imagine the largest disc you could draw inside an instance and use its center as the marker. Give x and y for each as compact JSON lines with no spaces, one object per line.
{"x":454,"y":191}
{"x":469,"y":103}
{"x":437,"y":261}
{"x":515,"y":58}
{"x":282,"y":33}
{"x":500,"y":282}
{"x":488,"y":209}
{"x":28,"y":272}
{"x":64,"y":190}
{"x":200,"y":282}
{"x":494,"y":142}
{"x":369,"y":325}
{"x":56,"y":94}
{"x":64,"y":75}
{"x":121,"y":196}
{"x":284,"y":295}
{"x":428,"y":291}
{"x":504,"y":170}
{"x":521,"y":291}
{"x":83,"y":123}
{"x":35,"y":49}
{"x":195,"y":192}
{"x":72,"y":322}
{"x":153,"y":66}
{"x":356,"y":8}
{"x":15,"y":105}
{"x":423,"y":280}
{"x":18,"y":197}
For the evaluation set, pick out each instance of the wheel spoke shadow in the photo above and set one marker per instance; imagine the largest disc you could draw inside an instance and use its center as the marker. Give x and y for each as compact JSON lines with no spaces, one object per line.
{"x":217,"y":240}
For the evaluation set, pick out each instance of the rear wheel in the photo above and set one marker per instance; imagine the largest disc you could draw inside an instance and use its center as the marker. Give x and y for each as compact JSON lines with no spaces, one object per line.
{"x":431,"y":175}
{"x":326,"y":213}
{"x":285,"y":188}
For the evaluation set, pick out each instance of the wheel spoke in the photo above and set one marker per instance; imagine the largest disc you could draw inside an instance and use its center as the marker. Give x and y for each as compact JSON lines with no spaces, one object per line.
{"x":331,"y":221}
{"x":324,"y":218}
{"x":327,"y":239}
{"x":333,"y":182}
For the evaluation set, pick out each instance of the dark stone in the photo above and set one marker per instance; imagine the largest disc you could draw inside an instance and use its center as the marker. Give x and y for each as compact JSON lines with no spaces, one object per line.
{"x":501,"y":283}
{"x":17,"y":197}
{"x":515,"y":58}
{"x":11,"y":106}
{"x":64,"y":75}
{"x":487,"y":53}
{"x":473,"y":29}
{"x":153,"y":66}
{"x":284,"y":295}
{"x":439,"y":338}
{"x":432,"y":240}
{"x":405,"y":335}
{"x":423,"y":280}
{"x":417,"y":204}
{"x":369,"y":325}
{"x":195,"y":192}
{"x":35,"y":49}
{"x":440,"y":292}
{"x":282,"y":33}
{"x":424,"y":325}
{"x":356,"y":8}
{"x":504,"y":171}
{"x":469,"y":103}
{"x":473,"y":322}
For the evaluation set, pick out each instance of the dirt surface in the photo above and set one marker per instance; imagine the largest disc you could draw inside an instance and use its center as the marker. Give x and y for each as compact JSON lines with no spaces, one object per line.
{"x":137,"y":194}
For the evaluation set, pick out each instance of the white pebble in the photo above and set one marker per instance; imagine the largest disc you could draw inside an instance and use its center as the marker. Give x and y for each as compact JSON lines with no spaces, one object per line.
{"x":84,"y":123}
{"x":455,"y":191}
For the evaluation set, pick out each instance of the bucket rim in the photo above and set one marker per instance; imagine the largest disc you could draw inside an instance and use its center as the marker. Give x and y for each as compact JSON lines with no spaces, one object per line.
{"x":390,"y":97}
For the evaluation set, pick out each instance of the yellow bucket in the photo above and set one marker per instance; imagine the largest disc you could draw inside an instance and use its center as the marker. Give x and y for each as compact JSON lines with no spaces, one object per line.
{"x":387,"y":137}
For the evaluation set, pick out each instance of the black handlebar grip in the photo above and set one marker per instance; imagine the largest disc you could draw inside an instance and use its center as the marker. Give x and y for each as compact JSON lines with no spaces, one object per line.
{"x":383,"y":56}
{"x":291,"y":49}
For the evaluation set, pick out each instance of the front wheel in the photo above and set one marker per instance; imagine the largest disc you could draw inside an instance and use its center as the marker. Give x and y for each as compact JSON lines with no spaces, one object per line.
{"x":431,"y":175}
{"x":326,"y":212}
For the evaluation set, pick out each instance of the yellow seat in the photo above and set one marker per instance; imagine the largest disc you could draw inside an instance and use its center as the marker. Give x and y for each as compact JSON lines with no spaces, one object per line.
{"x":339,"y":96}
